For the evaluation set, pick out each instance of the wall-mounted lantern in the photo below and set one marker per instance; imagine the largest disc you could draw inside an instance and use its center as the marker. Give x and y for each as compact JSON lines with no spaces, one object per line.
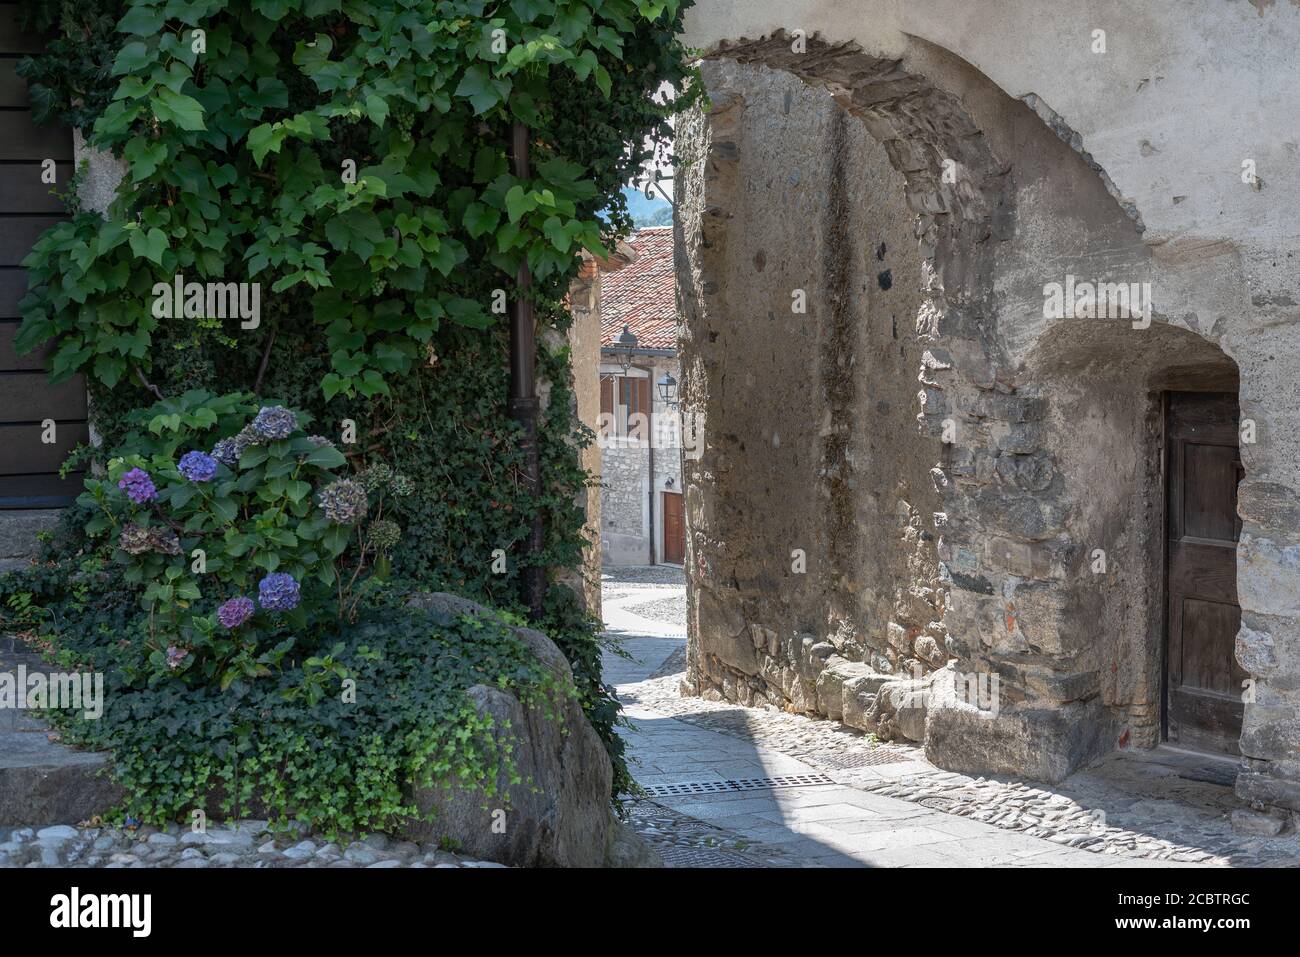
{"x":668,"y":389}
{"x":626,"y":342}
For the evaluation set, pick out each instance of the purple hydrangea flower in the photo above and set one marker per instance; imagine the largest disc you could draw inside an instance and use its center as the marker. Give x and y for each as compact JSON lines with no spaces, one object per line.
{"x":278,"y":592}
{"x":175,"y":656}
{"x":226,"y":452}
{"x":139,"y":486}
{"x":198,"y":466}
{"x":275,"y":422}
{"x":235,"y":612}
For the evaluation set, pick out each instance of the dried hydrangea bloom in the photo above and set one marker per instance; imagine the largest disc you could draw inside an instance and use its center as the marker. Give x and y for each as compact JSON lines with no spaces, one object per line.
{"x":344,"y":502}
{"x":402,"y":485}
{"x":384,"y":534}
{"x":198,"y":466}
{"x":136,"y":540}
{"x":375,"y":477}
{"x":235,"y":612}
{"x":226,"y":453}
{"x":275,"y":422}
{"x":175,"y":656}
{"x":139,"y":486}
{"x":320,"y":441}
{"x":165,"y":541}
{"x":278,"y":591}
{"x":247,"y":437}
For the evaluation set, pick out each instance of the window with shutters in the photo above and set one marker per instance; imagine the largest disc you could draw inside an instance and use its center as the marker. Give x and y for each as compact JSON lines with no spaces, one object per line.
{"x":625,"y":402}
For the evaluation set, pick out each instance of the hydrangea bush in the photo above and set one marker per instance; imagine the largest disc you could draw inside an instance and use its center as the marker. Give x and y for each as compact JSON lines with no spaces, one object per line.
{"x":238,"y":553}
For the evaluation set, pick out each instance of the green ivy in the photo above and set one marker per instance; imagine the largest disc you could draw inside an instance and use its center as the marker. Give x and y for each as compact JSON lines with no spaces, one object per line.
{"x":71,"y":82}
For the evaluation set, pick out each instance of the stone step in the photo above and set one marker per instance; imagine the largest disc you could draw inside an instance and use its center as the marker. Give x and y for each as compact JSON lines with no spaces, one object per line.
{"x":43,"y":782}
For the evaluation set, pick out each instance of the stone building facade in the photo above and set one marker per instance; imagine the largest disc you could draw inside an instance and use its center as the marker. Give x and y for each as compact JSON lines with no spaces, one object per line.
{"x":994,"y":350}
{"x":642,"y":505}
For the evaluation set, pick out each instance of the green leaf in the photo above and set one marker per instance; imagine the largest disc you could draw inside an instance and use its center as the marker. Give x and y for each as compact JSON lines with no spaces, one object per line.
{"x":377,"y":109}
{"x":480,"y":219}
{"x":143,"y":20}
{"x":483,"y":90}
{"x":519,"y":203}
{"x":184,"y":111}
{"x":144,"y":157}
{"x":225,"y":509}
{"x":132,"y":58}
{"x":150,"y":245}
{"x":264,"y":139}
{"x":326,"y":457}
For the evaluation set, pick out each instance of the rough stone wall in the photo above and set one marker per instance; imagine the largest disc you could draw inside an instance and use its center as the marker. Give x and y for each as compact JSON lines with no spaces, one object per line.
{"x":1051,"y":427}
{"x":1212,"y":218}
{"x":811,"y":525}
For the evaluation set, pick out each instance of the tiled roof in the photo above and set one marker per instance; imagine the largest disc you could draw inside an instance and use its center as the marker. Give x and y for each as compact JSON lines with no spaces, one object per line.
{"x":642,"y":294}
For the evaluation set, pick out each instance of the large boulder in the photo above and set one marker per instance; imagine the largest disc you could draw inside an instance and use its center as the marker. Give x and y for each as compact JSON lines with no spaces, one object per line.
{"x":564,"y":818}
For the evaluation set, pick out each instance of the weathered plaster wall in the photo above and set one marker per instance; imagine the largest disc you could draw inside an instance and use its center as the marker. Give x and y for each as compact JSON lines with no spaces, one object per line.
{"x":1126,"y":165}
{"x":584,"y":349}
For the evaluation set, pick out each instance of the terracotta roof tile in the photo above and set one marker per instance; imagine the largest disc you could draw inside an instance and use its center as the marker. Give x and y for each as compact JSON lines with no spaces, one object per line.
{"x":642,"y":295}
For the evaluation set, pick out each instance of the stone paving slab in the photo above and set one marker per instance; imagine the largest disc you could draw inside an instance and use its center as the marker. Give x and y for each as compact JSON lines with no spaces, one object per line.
{"x":43,"y":782}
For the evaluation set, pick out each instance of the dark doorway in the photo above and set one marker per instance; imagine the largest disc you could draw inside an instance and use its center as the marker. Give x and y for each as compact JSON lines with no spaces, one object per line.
{"x":674,"y":529}
{"x":1203,"y":682}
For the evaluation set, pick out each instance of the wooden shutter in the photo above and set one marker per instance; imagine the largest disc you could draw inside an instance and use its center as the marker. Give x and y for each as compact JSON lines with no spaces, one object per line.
{"x":644,"y":407}
{"x":28,"y":466}
{"x":606,"y":395}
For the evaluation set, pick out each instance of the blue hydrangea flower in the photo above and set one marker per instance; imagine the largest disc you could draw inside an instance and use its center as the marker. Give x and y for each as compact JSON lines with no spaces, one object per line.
{"x":278,"y":591}
{"x":275,"y":422}
{"x":139,"y":486}
{"x":198,"y":466}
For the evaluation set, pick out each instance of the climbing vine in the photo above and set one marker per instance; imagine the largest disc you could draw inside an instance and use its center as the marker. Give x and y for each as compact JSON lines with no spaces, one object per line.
{"x":351,"y":158}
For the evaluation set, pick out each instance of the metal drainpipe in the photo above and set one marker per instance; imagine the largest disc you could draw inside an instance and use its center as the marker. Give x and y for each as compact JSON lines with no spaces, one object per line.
{"x":523,"y":397}
{"x":650,"y":374}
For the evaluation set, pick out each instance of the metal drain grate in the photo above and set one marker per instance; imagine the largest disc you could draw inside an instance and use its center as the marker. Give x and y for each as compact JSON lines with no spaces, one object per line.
{"x":744,"y":784}
{"x":860,"y":759}
{"x":705,"y":857}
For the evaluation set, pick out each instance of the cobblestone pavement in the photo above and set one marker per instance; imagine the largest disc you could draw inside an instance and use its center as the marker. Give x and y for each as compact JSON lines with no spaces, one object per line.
{"x":1161,"y":808}
{"x":684,"y":841}
{"x":247,"y":844}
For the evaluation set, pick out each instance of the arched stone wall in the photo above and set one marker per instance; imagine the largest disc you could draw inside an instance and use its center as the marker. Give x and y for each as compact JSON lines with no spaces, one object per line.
{"x":1017,"y":395}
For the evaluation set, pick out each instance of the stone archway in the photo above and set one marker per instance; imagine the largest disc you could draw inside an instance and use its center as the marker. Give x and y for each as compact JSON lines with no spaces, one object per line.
{"x":986,"y":582}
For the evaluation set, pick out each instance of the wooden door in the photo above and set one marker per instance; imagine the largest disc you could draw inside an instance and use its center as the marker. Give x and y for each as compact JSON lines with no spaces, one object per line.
{"x":1203,"y":682}
{"x":29,"y":462}
{"x":674,"y":529}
